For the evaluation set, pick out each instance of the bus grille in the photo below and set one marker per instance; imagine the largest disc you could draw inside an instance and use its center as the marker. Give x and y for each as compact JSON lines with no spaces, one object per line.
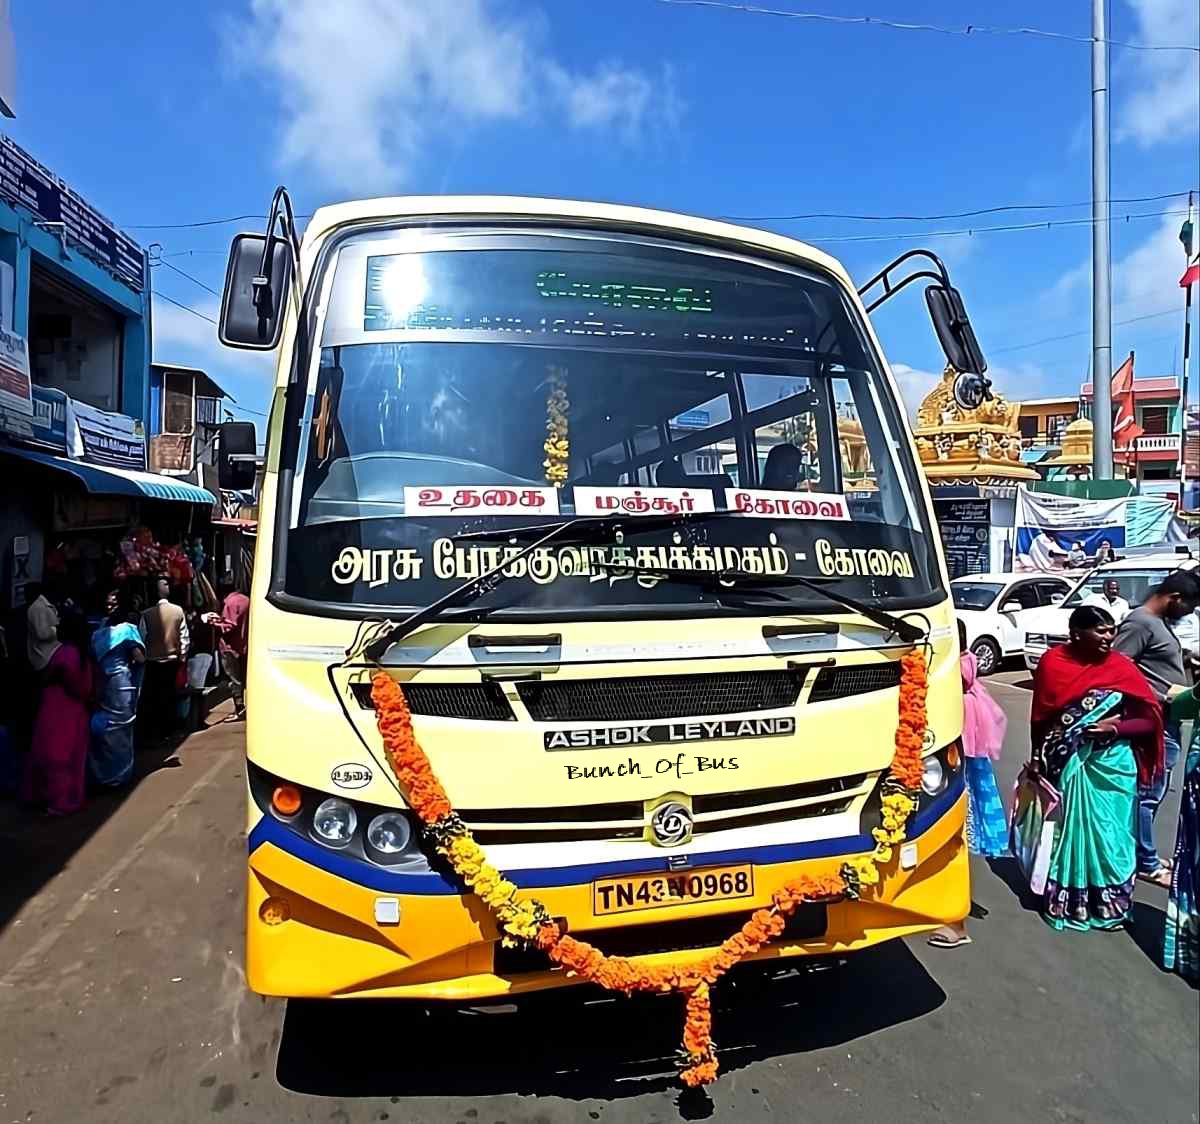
{"x":841,"y":682}
{"x":809,"y":922}
{"x":642,"y":698}
{"x":480,"y":702}
{"x":626,"y":819}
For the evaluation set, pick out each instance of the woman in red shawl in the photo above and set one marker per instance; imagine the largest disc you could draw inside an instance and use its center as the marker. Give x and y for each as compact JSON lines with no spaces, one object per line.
{"x":1097,"y":730}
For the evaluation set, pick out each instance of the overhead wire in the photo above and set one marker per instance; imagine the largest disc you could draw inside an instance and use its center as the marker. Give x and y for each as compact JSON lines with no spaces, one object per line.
{"x":193,"y":280}
{"x":186,"y":308}
{"x":1006,"y":227}
{"x":949,"y":214}
{"x":897,"y":25}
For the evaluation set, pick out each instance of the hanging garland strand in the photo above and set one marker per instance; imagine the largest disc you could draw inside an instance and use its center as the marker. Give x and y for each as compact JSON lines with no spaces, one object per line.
{"x":527,"y":921}
{"x":557,"y":446}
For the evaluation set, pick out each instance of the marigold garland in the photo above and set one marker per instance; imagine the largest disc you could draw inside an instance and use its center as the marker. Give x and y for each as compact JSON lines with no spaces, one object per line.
{"x":557,"y":446}
{"x":527,"y":920}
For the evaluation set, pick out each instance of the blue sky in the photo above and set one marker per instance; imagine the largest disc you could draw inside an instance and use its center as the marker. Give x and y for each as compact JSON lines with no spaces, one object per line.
{"x":181,"y":113}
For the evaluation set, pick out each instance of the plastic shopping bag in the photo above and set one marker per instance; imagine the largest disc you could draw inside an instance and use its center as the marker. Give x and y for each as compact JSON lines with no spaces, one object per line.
{"x":1035,"y":818}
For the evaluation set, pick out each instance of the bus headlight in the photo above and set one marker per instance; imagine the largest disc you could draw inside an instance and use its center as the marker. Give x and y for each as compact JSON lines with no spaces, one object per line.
{"x":334,"y":822}
{"x":389,"y":833}
{"x":933,"y":776}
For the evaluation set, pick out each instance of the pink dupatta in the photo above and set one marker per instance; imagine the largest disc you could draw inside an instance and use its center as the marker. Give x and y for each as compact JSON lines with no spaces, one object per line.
{"x":983,"y":720}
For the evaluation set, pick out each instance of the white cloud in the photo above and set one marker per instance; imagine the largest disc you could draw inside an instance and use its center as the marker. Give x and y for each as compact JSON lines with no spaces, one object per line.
{"x":1164,"y":102}
{"x":1144,"y":281}
{"x":365,"y":85}
{"x":184,"y":338}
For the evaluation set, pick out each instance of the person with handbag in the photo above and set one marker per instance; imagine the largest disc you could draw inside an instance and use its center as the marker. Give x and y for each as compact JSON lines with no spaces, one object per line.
{"x":1097,"y":728}
{"x":984,"y":724}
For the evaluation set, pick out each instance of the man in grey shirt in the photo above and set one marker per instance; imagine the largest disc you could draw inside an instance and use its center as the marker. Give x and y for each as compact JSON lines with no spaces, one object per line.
{"x":1146,"y":638}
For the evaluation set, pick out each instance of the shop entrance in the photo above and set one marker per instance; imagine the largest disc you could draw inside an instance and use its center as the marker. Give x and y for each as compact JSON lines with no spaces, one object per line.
{"x":74,"y":343}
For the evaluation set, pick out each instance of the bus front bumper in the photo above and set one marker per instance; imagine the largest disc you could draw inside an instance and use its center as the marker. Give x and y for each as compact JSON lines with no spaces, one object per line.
{"x":445,"y":946}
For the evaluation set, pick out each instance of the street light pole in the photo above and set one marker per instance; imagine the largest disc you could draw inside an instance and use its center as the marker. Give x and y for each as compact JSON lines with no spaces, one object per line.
{"x":1102,"y":457}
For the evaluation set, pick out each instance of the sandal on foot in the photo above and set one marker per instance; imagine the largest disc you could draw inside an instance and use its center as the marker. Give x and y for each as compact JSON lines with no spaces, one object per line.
{"x":947,"y":938}
{"x":1161,"y":876}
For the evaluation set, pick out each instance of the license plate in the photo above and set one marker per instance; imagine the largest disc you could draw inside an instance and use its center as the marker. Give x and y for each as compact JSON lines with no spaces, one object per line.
{"x":650,"y":891}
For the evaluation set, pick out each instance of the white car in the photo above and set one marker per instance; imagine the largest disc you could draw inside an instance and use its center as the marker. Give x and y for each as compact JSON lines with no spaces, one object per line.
{"x":994,"y":608}
{"x":1046,"y":628}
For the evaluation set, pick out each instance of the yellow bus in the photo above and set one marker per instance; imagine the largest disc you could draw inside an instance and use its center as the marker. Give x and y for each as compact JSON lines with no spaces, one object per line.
{"x":626,"y":503}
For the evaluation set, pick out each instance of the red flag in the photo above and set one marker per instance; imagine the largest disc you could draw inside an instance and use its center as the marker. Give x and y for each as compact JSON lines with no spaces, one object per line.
{"x":1192,"y":274}
{"x":1125,"y":427}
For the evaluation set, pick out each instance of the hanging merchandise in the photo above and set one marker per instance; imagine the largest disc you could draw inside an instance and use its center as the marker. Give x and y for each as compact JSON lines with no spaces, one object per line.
{"x":140,"y":556}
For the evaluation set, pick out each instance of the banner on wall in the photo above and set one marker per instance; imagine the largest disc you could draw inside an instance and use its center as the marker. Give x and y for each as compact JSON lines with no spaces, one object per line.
{"x":45,"y":428}
{"x":103,"y":438}
{"x":1050,"y":527}
{"x":16,"y":387}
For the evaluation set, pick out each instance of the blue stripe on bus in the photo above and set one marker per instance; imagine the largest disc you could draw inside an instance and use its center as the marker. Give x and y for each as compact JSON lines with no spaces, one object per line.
{"x":363,"y":873}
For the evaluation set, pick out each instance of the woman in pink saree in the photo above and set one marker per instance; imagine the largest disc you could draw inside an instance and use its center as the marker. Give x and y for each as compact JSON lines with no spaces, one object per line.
{"x":54,"y":771}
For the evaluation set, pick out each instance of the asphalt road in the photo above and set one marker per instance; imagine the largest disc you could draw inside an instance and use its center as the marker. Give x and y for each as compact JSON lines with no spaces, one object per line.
{"x":122,"y":999}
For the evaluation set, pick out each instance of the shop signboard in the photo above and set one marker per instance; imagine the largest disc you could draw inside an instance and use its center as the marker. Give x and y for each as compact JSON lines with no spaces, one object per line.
{"x":45,"y":428}
{"x":103,"y":438}
{"x":27,"y":182}
{"x":16,"y":387}
{"x":965,"y":529}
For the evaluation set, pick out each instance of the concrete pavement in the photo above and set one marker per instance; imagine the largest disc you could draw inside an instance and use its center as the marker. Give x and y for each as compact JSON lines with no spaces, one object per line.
{"x":122,"y":999}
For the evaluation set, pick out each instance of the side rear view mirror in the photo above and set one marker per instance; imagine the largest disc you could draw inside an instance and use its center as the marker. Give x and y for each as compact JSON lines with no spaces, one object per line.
{"x":1057,"y":598}
{"x":255,"y":293}
{"x":257,"y":278}
{"x":954,"y":330}
{"x":1011,"y":607}
{"x":237,"y":460}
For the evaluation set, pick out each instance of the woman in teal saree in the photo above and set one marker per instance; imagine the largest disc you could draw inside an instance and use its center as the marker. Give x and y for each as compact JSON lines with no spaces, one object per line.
{"x":1098,"y":729}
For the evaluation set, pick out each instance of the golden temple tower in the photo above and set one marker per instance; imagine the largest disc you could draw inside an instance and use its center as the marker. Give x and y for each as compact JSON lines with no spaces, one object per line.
{"x":960,"y":446}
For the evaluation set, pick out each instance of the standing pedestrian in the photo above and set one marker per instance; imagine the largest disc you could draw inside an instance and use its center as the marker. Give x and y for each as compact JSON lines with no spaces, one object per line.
{"x":1181,"y":938}
{"x":1110,"y":600}
{"x":164,"y":630}
{"x":41,"y":637}
{"x":120,"y":655}
{"x":984,"y":724}
{"x":1096,"y":728}
{"x":233,"y":627}
{"x":1146,"y":638}
{"x":54,"y":770}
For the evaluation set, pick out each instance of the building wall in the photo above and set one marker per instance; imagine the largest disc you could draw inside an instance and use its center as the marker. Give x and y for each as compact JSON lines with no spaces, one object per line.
{"x":1035,"y":417}
{"x":24,"y":245}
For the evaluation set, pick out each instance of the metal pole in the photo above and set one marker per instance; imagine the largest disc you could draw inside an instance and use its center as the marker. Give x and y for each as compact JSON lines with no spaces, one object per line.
{"x":1187,"y":355}
{"x":1102,"y":458}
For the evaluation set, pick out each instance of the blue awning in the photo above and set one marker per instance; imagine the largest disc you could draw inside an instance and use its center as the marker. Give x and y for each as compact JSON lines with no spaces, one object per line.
{"x":103,"y":480}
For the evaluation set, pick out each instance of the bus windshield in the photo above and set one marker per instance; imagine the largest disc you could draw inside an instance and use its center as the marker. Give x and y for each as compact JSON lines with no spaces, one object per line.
{"x":474,"y":382}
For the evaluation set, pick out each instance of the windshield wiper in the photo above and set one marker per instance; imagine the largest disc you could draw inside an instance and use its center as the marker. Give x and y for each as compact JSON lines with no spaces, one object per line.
{"x":484,"y":583}
{"x":581,"y":529}
{"x":906,"y":631}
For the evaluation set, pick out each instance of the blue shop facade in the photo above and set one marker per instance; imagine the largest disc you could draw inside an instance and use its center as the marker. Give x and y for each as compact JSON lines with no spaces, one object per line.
{"x":75,"y":348}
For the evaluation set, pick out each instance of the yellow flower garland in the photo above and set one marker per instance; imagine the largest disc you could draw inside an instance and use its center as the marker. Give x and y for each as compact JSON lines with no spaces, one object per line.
{"x":527,"y":920}
{"x":557,"y":446}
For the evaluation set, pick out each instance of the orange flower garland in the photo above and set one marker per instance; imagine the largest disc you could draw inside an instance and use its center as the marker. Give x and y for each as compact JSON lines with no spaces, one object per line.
{"x":528,"y":920}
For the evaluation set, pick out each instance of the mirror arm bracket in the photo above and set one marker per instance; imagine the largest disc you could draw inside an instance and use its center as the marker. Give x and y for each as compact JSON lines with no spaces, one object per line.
{"x":891,"y":288}
{"x":283,"y":217}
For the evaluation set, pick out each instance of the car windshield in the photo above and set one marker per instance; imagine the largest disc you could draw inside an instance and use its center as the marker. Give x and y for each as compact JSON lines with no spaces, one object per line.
{"x":974,"y":595}
{"x":1135,"y":584}
{"x":476,"y":382}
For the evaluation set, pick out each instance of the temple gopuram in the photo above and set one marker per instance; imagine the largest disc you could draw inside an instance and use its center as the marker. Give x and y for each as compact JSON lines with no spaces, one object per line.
{"x":966,"y":447}
{"x":972,"y":460}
